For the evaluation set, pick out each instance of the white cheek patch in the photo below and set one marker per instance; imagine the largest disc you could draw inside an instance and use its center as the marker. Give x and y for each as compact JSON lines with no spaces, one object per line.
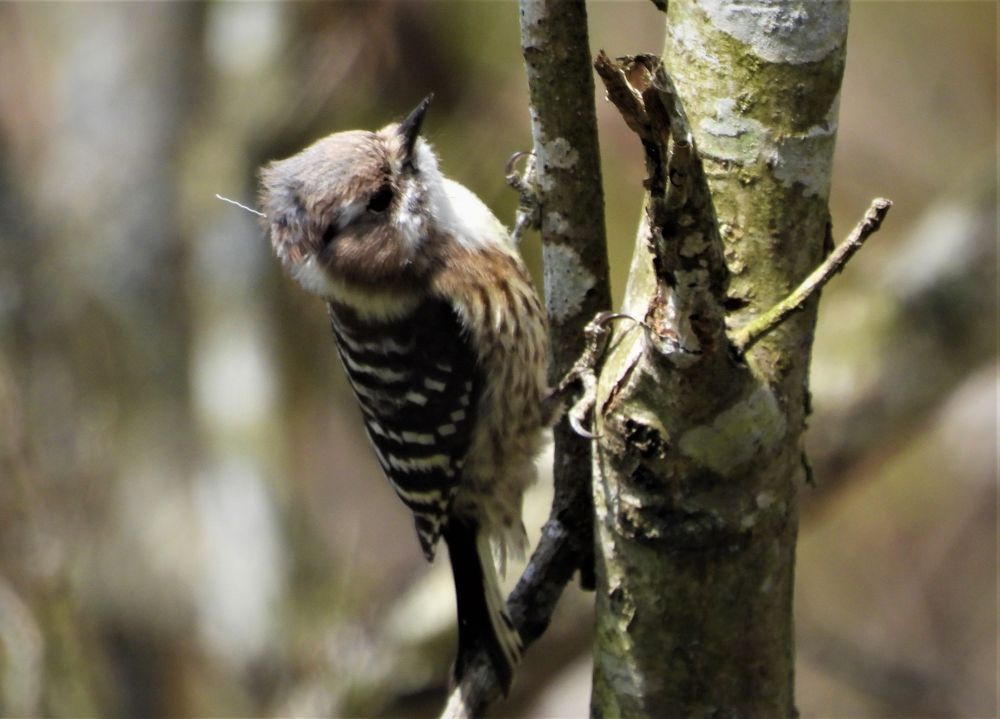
{"x":410,"y":220}
{"x":467,"y":218}
{"x":313,"y":278}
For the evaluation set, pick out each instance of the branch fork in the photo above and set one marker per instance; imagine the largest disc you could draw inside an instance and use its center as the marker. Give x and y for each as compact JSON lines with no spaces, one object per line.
{"x":747,"y":336}
{"x":582,"y":376}
{"x":678,"y":205}
{"x":639,"y":87}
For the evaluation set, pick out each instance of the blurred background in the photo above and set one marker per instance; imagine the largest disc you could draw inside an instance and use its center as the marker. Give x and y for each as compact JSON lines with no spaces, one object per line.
{"x":191,"y":522}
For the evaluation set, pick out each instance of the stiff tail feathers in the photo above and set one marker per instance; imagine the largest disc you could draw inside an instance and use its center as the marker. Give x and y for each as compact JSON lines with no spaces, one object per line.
{"x":483,"y":623}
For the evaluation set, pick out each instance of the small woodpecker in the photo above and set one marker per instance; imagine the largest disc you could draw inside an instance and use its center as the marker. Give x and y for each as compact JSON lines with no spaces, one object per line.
{"x":444,"y":341}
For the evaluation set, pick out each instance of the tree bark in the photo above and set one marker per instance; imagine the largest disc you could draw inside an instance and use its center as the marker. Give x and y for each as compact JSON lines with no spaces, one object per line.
{"x":700,"y":454}
{"x":556,"y":52}
{"x":566,"y":188}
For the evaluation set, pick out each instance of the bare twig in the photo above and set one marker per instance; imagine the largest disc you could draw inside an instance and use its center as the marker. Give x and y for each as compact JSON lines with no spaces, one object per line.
{"x":242,"y":207}
{"x":747,"y":336}
{"x":584,"y":373}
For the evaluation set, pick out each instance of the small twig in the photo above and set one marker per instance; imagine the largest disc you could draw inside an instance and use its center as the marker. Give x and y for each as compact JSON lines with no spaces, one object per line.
{"x":584,"y":372}
{"x":242,"y":207}
{"x":747,"y":336}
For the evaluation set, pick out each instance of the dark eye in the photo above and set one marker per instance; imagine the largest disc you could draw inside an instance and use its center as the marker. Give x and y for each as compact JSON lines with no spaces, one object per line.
{"x":330,"y":233}
{"x":381,"y":200}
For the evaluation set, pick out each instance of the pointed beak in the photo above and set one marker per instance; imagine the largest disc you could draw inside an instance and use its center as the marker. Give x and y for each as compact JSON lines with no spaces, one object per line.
{"x":409,"y":129}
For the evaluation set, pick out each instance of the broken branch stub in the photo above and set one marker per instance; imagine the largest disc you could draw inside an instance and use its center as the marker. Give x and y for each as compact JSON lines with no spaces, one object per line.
{"x":681,"y":228}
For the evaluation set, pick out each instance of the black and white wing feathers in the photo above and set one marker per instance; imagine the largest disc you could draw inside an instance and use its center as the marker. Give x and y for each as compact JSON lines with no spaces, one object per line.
{"x":416,"y":380}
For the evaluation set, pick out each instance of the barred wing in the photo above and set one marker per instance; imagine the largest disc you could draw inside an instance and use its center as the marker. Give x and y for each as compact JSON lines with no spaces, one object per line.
{"x":416,"y":380}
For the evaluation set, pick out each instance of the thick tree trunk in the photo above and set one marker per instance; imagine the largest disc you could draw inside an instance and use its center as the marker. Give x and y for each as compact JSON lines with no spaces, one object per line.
{"x":700,"y":457}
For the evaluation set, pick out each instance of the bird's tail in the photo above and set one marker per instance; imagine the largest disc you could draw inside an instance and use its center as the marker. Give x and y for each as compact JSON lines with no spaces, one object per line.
{"x":483,"y":623}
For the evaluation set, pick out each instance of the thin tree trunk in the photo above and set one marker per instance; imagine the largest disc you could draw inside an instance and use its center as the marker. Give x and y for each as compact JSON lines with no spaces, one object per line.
{"x":566,"y":191}
{"x":700,"y":456}
{"x":571,"y":219}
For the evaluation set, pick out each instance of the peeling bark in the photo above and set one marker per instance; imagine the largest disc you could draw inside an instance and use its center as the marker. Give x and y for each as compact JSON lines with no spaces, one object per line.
{"x":700,"y":453}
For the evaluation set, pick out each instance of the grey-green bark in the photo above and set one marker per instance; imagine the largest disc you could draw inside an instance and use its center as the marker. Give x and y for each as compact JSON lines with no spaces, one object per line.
{"x":700,"y":456}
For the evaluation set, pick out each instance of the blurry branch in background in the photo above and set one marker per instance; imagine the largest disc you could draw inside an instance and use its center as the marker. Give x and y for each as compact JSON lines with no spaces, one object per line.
{"x":894,"y":680}
{"x":570,"y":201}
{"x":923,"y":323}
{"x":98,"y":343}
{"x":745,"y":337}
{"x":21,"y":636}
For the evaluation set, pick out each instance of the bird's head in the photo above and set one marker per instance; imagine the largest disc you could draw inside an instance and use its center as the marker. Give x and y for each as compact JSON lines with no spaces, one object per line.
{"x":355,"y":207}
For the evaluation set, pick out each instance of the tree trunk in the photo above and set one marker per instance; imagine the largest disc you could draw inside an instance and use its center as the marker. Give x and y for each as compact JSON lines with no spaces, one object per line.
{"x":563,"y":186}
{"x":700,"y":454}
{"x":571,"y":220}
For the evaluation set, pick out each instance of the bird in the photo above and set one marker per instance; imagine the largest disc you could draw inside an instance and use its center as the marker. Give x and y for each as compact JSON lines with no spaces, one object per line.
{"x":444,"y":341}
